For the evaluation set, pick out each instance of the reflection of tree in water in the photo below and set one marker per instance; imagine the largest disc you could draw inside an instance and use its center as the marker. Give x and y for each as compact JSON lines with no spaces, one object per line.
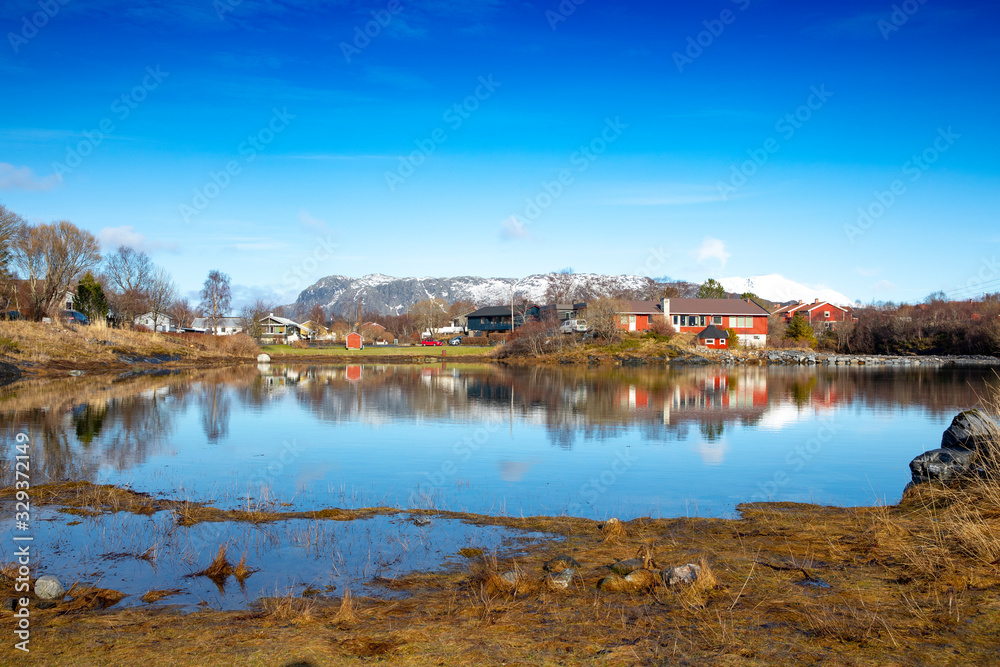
{"x":712,"y":431}
{"x":88,"y":420}
{"x":216,"y":406}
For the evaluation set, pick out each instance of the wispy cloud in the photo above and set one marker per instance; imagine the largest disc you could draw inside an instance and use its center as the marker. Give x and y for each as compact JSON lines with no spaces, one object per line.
{"x":23,"y":178}
{"x":112,"y":237}
{"x":712,"y":249}
{"x":512,"y":229}
{"x":312,"y":223}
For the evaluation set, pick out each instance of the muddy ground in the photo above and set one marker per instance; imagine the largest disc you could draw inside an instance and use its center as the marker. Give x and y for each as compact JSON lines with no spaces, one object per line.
{"x":790,"y":584}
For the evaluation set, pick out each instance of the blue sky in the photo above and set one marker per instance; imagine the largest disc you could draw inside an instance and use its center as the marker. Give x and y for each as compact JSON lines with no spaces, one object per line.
{"x":267,"y":139}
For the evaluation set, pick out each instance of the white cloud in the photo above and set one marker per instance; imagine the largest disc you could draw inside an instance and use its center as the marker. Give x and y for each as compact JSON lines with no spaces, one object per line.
{"x":313,"y":223}
{"x":513,"y":228}
{"x":866,"y":272}
{"x":112,"y":237}
{"x":883,"y":286}
{"x":713,"y":249}
{"x":22,"y":178}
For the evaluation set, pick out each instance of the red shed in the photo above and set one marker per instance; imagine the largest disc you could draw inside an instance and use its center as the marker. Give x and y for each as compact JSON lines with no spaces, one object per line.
{"x":714,"y":337}
{"x":355,"y":341}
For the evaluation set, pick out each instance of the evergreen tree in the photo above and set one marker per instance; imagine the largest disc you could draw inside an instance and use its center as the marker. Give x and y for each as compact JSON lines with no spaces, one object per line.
{"x":711,"y":289}
{"x":799,"y":329}
{"x":90,"y":298}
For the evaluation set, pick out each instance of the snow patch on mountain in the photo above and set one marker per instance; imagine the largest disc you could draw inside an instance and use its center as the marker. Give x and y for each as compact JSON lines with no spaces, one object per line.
{"x":389,"y":295}
{"x":775,"y":287}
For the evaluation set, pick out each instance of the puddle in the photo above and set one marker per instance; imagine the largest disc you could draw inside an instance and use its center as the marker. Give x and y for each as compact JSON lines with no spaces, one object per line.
{"x":136,"y":554}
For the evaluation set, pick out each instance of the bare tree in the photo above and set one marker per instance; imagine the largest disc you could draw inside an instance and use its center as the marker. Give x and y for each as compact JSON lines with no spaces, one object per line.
{"x":128,"y":273}
{"x":182,"y":312}
{"x":317,"y":315}
{"x":604,"y":317}
{"x":251,"y":315}
{"x":51,"y":257}
{"x":216,"y":295}
{"x":11,"y":225}
{"x":429,"y":314}
{"x":160,"y":293}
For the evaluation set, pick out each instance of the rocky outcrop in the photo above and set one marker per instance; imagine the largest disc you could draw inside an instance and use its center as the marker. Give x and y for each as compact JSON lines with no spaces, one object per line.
{"x":970,"y":435}
{"x":8,"y":373}
{"x":971,"y":430}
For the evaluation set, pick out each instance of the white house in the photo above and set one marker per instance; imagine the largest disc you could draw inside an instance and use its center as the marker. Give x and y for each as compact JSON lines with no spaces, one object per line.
{"x":277,"y":329}
{"x":162,"y":321}
{"x":224,"y":326}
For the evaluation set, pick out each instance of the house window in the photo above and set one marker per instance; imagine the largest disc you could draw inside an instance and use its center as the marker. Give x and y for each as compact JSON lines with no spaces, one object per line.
{"x":709,"y":341}
{"x":676,"y":320}
{"x":826,"y":313}
{"x":717,"y":319}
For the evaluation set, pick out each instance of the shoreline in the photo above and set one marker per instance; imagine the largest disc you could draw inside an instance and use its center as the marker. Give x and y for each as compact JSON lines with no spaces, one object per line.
{"x":790,"y":583}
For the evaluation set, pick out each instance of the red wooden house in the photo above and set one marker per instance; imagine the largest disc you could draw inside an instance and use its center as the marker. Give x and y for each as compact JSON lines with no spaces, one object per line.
{"x":747,"y":319}
{"x":638,"y":315}
{"x":714,"y":338}
{"x":821,"y":313}
{"x":354,"y":341}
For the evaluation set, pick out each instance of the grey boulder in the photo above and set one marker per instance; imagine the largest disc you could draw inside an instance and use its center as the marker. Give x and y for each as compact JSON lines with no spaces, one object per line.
{"x":970,"y":429}
{"x":942,"y":465}
{"x":49,"y":588}
{"x":684,"y":574}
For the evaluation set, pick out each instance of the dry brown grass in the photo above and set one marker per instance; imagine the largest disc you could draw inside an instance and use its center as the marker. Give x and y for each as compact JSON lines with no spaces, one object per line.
{"x":156,"y":595}
{"x":614,"y":531}
{"x":220,"y":569}
{"x":345,"y":616}
{"x":289,"y":608}
{"x":58,"y":346}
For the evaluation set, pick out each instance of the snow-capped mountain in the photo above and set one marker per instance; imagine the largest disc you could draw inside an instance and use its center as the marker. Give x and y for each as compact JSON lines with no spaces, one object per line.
{"x":388,"y":295}
{"x":775,"y":287}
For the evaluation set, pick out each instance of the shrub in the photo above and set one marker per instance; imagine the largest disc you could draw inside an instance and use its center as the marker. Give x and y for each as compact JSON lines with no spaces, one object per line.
{"x":238,"y":345}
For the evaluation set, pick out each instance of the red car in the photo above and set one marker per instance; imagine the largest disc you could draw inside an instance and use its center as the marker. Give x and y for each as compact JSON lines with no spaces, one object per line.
{"x":429,"y":341}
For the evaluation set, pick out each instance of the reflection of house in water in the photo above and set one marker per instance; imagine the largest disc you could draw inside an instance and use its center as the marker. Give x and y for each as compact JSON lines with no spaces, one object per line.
{"x":718,"y":396}
{"x":633,"y":397}
{"x":488,"y":389}
{"x":353,"y":372}
{"x":280,"y":377}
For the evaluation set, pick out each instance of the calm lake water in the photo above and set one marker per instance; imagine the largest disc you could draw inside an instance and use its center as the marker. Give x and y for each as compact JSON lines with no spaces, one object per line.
{"x":587,"y":442}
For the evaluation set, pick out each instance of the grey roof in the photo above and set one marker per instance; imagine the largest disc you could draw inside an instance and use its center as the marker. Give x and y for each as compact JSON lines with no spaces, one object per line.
{"x":642,"y":308}
{"x":224,"y":322}
{"x":712,"y":331}
{"x":493,"y":311}
{"x":714,"y":307}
